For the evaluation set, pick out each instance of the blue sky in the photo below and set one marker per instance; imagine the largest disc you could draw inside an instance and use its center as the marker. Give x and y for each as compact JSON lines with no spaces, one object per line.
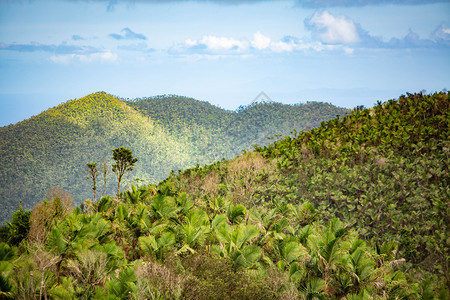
{"x":225,"y":52}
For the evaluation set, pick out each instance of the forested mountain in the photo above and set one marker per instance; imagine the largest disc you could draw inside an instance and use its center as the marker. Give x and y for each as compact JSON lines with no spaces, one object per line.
{"x":357,"y":208}
{"x":225,"y":133}
{"x":166,"y":133}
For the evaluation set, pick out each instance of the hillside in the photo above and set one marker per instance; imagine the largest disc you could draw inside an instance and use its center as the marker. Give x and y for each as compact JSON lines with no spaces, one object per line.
{"x":53,"y":148}
{"x":216,"y":133}
{"x":166,"y":133}
{"x":354,"y":209}
{"x":383,"y":171}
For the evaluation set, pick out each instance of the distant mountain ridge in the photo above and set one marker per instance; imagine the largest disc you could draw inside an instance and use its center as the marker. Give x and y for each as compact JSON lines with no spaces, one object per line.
{"x":165,"y":132}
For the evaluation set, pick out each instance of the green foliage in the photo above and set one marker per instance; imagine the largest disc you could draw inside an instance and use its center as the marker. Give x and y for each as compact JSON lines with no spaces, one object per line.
{"x":124,"y":162}
{"x":166,"y":133}
{"x":7,"y":255}
{"x":122,"y":250}
{"x":214,"y":278}
{"x":310,"y":217}
{"x":384,"y":169}
{"x":236,"y":213}
{"x":123,"y":286}
{"x":16,"y":231}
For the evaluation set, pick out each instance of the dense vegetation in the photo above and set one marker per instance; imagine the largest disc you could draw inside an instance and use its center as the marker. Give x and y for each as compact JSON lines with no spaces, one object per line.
{"x":166,"y":133}
{"x":213,"y":133}
{"x":354,"y":209}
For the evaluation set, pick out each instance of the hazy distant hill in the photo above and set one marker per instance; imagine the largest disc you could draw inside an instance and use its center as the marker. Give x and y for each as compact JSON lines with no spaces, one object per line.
{"x":164,"y":132}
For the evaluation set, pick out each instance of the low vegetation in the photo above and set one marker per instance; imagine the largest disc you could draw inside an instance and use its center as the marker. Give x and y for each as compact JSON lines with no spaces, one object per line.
{"x":354,"y":209}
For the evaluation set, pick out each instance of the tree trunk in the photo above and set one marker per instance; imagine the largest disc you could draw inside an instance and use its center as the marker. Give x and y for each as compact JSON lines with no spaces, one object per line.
{"x":118,"y":185}
{"x":42,"y":286}
{"x":58,"y":272}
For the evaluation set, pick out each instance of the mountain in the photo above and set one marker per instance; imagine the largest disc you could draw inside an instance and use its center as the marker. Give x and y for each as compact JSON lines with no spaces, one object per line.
{"x":356,"y":208}
{"x":165,"y":132}
{"x":223,"y":133}
{"x":383,"y":171}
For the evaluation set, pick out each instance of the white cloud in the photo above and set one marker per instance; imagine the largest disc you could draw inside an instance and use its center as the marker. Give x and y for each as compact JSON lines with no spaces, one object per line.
{"x":218,"y":44}
{"x":333,"y":29}
{"x":223,"y":43}
{"x":215,"y":46}
{"x":283,"y":46}
{"x":101,"y":56}
{"x":446,"y":30}
{"x":287,"y":44}
{"x":260,"y":41}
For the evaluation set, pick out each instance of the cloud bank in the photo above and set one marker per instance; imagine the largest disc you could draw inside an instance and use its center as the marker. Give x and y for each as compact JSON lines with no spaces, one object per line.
{"x":260,"y":43}
{"x":328,"y":33}
{"x":77,"y":37}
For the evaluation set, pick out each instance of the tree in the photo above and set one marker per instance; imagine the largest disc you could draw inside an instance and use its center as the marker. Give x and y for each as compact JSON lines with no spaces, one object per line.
{"x":46,"y":214}
{"x":93,"y":174}
{"x":17,"y":230}
{"x":105,"y":172}
{"x":124,"y":162}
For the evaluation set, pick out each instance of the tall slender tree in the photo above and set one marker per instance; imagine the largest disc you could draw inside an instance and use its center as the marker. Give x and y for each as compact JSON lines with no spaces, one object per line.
{"x":124,"y":162}
{"x":105,"y":173}
{"x":93,"y":174}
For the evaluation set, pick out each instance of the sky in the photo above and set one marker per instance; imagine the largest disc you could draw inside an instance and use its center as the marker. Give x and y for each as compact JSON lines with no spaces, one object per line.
{"x":344,"y":52}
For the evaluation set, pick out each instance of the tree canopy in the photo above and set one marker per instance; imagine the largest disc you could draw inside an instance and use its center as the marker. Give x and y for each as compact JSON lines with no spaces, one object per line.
{"x":124,"y":162}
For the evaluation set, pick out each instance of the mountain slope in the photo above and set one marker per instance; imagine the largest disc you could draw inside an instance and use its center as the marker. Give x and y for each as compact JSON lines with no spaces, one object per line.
{"x":165,"y":133}
{"x":225,"y":133}
{"x":384,"y":171}
{"x":53,"y":148}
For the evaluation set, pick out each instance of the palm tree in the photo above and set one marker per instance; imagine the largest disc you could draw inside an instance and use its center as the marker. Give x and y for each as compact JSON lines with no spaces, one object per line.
{"x":235,"y":243}
{"x":136,"y":195}
{"x":195,"y":230}
{"x":157,"y":247}
{"x":133,"y":222}
{"x":315,"y":288}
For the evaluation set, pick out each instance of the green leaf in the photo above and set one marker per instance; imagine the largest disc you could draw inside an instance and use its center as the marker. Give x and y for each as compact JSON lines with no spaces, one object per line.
{"x":166,"y":239}
{"x":247,"y":257}
{"x":6,"y":252}
{"x":148,"y":244}
{"x":293,"y":250}
{"x":56,"y":242}
{"x":236,"y":213}
{"x":219,"y":221}
{"x":248,"y":233}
